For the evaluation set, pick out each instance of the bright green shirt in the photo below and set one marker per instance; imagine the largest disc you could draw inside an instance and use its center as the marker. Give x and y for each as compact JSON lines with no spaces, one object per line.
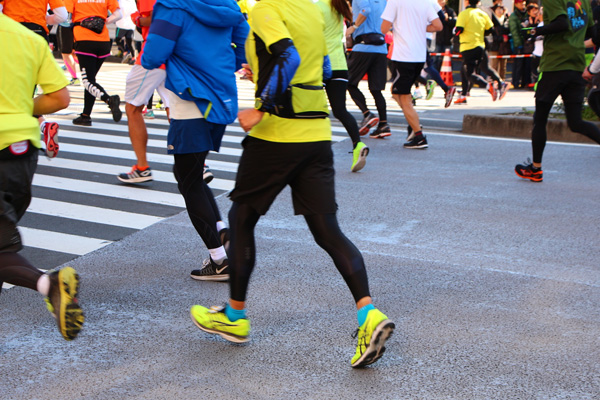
{"x":565,"y":51}
{"x":475,"y":22}
{"x":334,"y":35}
{"x":25,"y":60}
{"x":302,"y":22}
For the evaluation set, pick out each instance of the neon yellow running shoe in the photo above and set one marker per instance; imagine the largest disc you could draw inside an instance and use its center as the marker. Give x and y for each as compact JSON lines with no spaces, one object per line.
{"x":63,"y":303}
{"x":372,"y":336}
{"x":359,"y":156}
{"x":214,"y":320}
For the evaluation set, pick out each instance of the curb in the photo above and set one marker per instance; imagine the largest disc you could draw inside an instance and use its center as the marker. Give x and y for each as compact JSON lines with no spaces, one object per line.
{"x":520,"y":127}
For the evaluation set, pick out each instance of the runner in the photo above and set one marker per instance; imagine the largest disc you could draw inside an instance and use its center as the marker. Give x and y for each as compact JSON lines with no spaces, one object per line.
{"x":561,"y":67}
{"x":92,"y":46}
{"x":290,"y":144}
{"x":19,"y":144}
{"x":334,"y":12}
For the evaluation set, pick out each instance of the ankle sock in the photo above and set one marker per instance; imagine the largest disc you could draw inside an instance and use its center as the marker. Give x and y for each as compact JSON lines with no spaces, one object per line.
{"x":43,"y":285}
{"x":218,"y":254}
{"x":234,"y":314}
{"x":361,"y":314}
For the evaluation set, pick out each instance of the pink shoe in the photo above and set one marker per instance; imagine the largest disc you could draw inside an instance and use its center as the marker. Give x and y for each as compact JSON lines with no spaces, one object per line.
{"x":50,"y":132}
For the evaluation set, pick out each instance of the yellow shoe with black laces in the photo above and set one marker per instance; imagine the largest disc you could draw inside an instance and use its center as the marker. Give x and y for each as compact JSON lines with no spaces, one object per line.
{"x":372,"y":336}
{"x":63,"y":303}
{"x":214,"y":320}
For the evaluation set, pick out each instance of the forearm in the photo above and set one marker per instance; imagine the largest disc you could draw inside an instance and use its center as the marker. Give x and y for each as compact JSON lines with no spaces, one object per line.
{"x":60,"y":15}
{"x":49,"y":103}
{"x":281,"y":76}
{"x":114,"y":17}
{"x":560,"y":24}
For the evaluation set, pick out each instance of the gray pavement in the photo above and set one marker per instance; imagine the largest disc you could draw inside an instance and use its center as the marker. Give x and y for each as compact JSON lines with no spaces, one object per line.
{"x":493,"y":283}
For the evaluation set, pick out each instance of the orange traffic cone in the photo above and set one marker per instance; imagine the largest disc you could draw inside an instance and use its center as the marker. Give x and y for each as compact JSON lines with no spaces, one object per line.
{"x":446,"y":71}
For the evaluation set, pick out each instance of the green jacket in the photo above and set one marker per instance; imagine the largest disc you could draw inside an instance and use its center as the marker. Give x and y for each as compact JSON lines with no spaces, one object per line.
{"x":514,"y":24}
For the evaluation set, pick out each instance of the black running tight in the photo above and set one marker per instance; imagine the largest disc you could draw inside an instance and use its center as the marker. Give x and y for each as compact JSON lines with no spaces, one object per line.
{"x":361,"y":102}
{"x":326,"y":231}
{"x":574,"y":121}
{"x":336,"y":88}
{"x":16,"y":270}
{"x":91,"y":56}
{"x":199,"y":199}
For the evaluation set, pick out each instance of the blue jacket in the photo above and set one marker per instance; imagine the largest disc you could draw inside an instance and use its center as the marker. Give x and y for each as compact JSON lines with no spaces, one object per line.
{"x":202,"y":44}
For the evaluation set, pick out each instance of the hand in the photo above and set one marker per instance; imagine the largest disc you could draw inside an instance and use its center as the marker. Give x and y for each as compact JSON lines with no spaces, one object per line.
{"x":249,"y":117}
{"x":587,"y":74}
{"x":248,"y":72}
{"x":350,"y":30}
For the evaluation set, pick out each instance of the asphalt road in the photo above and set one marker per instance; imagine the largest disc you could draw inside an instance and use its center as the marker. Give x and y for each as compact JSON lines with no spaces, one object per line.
{"x":493,"y":283}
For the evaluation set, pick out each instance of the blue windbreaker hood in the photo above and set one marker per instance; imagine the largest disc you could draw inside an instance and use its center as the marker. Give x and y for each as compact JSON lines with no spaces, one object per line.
{"x":215,"y":13}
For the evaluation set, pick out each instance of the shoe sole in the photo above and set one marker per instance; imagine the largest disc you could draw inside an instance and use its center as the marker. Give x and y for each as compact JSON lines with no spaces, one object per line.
{"x":365,"y":129}
{"x":84,"y":124}
{"x":531,"y":178}
{"x":450,"y":97}
{"x":213,"y":278}
{"x":381,"y":135}
{"x":376,"y":347}
{"x":135,"y":180}
{"x":70,"y":317}
{"x":419,"y":147}
{"x":227,"y":336}
{"x":208,"y":179}
{"x":362,"y":160}
{"x":51,"y":139}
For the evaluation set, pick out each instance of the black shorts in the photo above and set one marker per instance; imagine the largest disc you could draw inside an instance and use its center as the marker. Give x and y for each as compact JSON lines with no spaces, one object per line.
{"x":568,"y":84}
{"x":473,"y":56}
{"x":36,"y":28}
{"x":65,"y":39}
{"x":404,"y":75}
{"x":266,"y":168}
{"x":16,"y":175}
{"x":373,"y":64}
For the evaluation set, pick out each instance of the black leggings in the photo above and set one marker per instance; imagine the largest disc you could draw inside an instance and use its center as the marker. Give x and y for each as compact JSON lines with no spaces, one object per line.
{"x":199,"y":199}
{"x":361,"y":102}
{"x":327,"y":234}
{"x":336,"y":88}
{"x":574,"y":121}
{"x":472,"y":59}
{"x":16,"y":270}
{"x":91,"y":56}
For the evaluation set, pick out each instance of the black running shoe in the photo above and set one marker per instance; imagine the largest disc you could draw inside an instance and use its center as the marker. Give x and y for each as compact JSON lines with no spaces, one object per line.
{"x":418,"y":142}
{"x":410,"y":133}
{"x":381,"y":132}
{"x":113,"y":103}
{"x":528,"y":171}
{"x":369,"y":121}
{"x":211,"y":271}
{"x":207,"y":174}
{"x":83,"y":120}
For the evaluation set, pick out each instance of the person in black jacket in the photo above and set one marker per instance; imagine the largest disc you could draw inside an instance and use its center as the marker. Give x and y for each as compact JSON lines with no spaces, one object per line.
{"x":443,"y":38}
{"x":500,"y":39}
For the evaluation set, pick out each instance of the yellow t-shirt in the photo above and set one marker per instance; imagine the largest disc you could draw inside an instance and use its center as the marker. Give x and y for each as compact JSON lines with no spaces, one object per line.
{"x":36,"y":65}
{"x":246,"y":7}
{"x":475,"y":22}
{"x":302,"y":22}
{"x":334,"y":36}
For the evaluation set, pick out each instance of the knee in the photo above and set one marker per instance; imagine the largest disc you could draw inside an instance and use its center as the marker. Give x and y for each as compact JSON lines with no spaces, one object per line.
{"x":131,"y":110}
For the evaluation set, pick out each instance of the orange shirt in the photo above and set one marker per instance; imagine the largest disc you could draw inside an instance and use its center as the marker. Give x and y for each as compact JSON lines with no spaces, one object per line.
{"x":33,"y":11}
{"x":145,"y":8}
{"x":82,"y":9}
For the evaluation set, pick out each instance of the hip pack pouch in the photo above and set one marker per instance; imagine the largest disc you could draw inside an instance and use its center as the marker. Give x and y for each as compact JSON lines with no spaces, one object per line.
{"x":94,"y":24}
{"x":375,"y":39}
{"x":302,"y":102}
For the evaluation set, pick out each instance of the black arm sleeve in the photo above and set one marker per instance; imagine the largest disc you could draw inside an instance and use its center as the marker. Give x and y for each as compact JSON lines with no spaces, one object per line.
{"x":560,"y":24}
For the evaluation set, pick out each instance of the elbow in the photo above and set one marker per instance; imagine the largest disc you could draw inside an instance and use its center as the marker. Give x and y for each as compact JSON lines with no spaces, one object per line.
{"x":63,"y":98}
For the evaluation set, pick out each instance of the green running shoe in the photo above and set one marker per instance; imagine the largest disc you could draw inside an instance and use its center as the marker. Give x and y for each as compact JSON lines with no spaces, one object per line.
{"x":430,"y":88}
{"x":63,"y":303}
{"x":372,"y":336}
{"x":214,"y":320}
{"x":359,"y":157}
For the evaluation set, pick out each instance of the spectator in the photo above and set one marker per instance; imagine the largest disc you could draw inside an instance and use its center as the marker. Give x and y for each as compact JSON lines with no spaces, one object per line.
{"x":515,"y":22}
{"x":500,"y":43}
{"x":443,"y":38}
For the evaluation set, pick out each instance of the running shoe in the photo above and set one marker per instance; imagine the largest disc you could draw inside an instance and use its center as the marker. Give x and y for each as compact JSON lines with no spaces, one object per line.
{"x":74,"y":82}
{"x":449,"y":96}
{"x":113,"y":103}
{"x":369,"y":121}
{"x":410,"y":133}
{"x":63,"y":303}
{"x":214,"y":320}
{"x":430,"y":89}
{"x":83,"y":120}
{"x":461,"y":100}
{"x":50,"y":133}
{"x":372,"y":336}
{"x":528,"y":171}
{"x":491,"y":87}
{"x":417,"y":94}
{"x":126,"y":59}
{"x":211,"y":271}
{"x":359,"y":157}
{"x":149,"y":114}
{"x":207,"y":175}
{"x":418,"y":142}
{"x":381,"y":132}
{"x":503,"y":89}
{"x":136,"y":175}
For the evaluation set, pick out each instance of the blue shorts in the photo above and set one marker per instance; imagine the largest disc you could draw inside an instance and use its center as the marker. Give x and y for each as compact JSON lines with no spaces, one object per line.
{"x":194,"y":136}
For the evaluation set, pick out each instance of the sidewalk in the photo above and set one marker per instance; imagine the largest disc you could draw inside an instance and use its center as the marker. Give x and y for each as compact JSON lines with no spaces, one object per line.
{"x":493,"y":283}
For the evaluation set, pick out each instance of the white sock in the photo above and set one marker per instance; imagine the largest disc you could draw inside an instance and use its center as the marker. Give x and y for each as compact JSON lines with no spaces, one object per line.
{"x":221,"y":225}
{"x":43,"y":285}
{"x":218,"y":254}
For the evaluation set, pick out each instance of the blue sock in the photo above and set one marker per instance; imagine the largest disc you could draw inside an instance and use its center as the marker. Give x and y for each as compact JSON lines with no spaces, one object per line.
{"x":233,"y":314}
{"x":362,"y":313}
